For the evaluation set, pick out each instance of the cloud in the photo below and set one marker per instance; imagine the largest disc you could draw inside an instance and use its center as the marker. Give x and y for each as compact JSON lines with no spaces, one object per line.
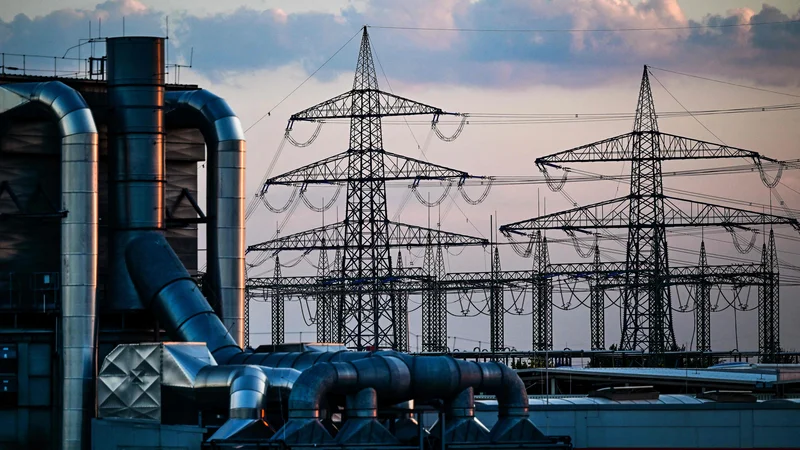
{"x":248,"y":39}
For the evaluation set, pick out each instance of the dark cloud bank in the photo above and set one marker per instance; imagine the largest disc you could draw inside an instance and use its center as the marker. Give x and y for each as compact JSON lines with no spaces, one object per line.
{"x":248,"y":39}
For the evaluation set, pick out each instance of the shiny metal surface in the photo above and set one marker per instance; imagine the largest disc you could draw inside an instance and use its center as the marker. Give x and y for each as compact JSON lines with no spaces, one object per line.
{"x":129,"y":383}
{"x":361,"y":426}
{"x":386,"y":376}
{"x":136,"y":154}
{"x":167,"y":289}
{"x":132,"y":376}
{"x":461,"y":426}
{"x":79,"y":155}
{"x":246,"y":388}
{"x":513,"y":422}
{"x":225,"y":197}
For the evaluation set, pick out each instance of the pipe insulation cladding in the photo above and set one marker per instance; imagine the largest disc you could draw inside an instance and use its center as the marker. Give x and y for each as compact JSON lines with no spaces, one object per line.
{"x":136,"y":132}
{"x":225,"y":237}
{"x":79,"y":235}
{"x":166,"y":287}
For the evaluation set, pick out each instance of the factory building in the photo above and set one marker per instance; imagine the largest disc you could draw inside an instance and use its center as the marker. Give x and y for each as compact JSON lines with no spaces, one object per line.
{"x":107,"y":340}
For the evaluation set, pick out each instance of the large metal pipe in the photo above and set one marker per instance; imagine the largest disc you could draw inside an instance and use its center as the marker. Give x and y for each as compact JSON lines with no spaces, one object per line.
{"x":430,"y":377}
{"x":166,"y":288}
{"x":244,"y":387}
{"x":79,"y":153}
{"x":461,"y":424}
{"x":386,"y":375}
{"x":225,"y":236}
{"x":136,"y":154}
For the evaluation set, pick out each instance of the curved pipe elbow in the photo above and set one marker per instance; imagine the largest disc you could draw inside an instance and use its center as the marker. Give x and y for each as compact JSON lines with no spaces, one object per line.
{"x":501,"y":381}
{"x":226,"y":145}
{"x":219,"y":122}
{"x":165,"y":286}
{"x":79,"y":241}
{"x":389,"y":376}
{"x":245,"y":386}
{"x":67,"y":106}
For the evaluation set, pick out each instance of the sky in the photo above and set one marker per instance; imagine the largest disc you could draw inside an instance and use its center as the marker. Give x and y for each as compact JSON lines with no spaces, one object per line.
{"x":256,"y":54}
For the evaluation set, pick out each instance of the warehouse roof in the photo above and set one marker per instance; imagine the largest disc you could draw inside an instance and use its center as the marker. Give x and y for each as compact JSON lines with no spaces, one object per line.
{"x":752,"y":379}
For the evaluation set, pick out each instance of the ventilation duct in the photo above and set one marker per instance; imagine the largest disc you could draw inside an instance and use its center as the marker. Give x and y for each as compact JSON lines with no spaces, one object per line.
{"x":152,"y":381}
{"x":135,"y":155}
{"x":166,"y":287}
{"x":225,"y":236}
{"x":79,"y":151}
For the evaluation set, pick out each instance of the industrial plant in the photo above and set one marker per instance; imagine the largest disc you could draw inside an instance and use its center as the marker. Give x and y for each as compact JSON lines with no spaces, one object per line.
{"x":114,"y":338}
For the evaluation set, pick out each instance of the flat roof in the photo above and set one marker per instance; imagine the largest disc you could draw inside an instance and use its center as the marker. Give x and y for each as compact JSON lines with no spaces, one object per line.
{"x":761,"y":379}
{"x":665,"y":401}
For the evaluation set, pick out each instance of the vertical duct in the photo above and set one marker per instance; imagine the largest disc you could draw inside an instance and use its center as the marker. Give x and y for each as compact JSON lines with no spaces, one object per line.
{"x":136,"y":154}
{"x":225,"y":239}
{"x":78,"y":247}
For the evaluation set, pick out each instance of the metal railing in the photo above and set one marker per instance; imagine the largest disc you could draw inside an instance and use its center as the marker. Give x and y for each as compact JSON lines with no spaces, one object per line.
{"x":62,"y":67}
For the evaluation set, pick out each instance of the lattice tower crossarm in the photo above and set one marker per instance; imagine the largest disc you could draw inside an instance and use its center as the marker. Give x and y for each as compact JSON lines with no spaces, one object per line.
{"x":366,"y":316}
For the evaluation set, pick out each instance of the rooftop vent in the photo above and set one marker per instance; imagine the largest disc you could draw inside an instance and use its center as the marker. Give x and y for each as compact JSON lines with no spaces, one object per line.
{"x":728,"y":396}
{"x":621,"y":393}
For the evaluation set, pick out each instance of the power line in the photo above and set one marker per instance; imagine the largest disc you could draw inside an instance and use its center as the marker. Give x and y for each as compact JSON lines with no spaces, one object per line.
{"x":581,"y":30}
{"x":304,"y":82}
{"x":724,"y":82}
{"x":574,"y":118}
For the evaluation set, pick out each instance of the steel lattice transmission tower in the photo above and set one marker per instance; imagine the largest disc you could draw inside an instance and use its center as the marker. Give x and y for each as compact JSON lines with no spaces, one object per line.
{"x":646,"y":213}
{"x":542,"y":300}
{"x":769,"y":342}
{"x":366,"y":311}
{"x":434,"y":300}
{"x":703,"y":304}
{"x":597,"y":317}
{"x":278,"y":308}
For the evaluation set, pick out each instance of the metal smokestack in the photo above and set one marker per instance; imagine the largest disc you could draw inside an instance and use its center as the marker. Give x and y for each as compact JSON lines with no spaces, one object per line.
{"x":136,"y":154}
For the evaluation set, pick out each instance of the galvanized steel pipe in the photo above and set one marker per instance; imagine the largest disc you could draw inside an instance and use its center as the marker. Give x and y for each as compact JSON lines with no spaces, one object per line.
{"x":136,"y":154}
{"x":79,"y":153}
{"x":166,"y":288}
{"x":225,"y":237}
